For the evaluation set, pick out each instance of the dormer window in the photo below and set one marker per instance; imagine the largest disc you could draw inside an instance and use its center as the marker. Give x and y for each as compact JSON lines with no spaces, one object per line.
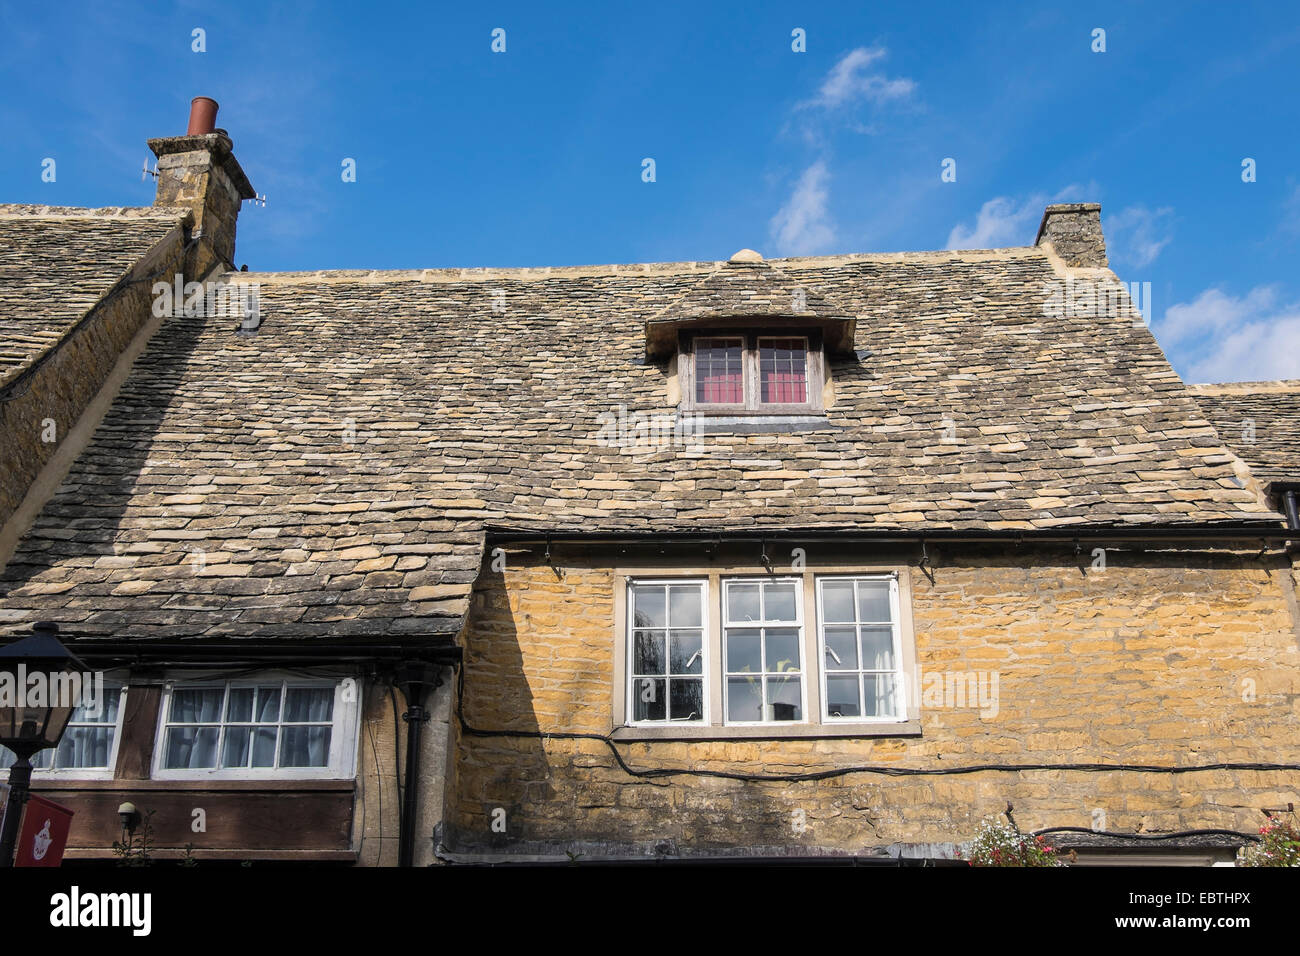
{"x":771,"y":372}
{"x":749,"y":343}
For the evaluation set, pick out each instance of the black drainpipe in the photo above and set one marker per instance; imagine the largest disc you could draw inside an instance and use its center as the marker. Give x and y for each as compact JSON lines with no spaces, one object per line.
{"x":416,"y":679}
{"x":1289,"y":503}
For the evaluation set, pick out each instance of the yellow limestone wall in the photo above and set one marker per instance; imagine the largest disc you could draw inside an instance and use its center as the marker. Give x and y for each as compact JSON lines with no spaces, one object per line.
{"x":1164,"y":657}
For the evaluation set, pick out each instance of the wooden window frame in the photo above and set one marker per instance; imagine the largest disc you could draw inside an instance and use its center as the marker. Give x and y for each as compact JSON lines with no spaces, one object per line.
{"x":343,"y":739}
{"x":751,"y":384}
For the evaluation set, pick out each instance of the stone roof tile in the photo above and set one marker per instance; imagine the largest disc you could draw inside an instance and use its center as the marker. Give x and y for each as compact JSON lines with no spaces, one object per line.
{"x":333,"y":475}
{"x":56,"y":263}
{"x":1260,"y":421}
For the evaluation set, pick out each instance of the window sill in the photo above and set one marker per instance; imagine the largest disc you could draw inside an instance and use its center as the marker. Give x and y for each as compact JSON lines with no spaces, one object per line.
{"x":123,"y":783}
{"x":903,"y":728}
{"x":761,"y":423}
{"x":56,"y":777}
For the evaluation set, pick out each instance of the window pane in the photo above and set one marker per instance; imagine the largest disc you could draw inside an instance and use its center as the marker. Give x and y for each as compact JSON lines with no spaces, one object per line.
{"x":782,"y":370}
{"x":841,"y":648}
{"x":873,"y":601}
{"x":783,"y":698}
{"x":103,"y":710}
{"x":744,"y":699}
{"x":649,"y":652}
{"x":239,"y":708}
{"x":197,"y":705}
{"x":315,"y":704}
{"x":83,"y":748}
{"x":264,"y":747}
{"x":743,"y":652}
{"x":648,"y":606}
{"x":234,"y":752}
{"x":837,"y":601}
{"x":877,"y":648}
{"x":779,"y":602}
{"x":684,"y":607}
{"x":650,"y":699}
{"x":719,"y":378}
{"x":40,"y":760}
{"x":782,"y":650}
{"x":190,"y":748}
{"x":112,"y":701}
{"x":88,"y":739}
{"x":842,"y":696}
{"x":878,"y":690}
{"x":268,"y":704}
{"x":304,"y":746}
{"x":687,"y":652}
{"x":742,"y":603}
{"x":687,"y":699}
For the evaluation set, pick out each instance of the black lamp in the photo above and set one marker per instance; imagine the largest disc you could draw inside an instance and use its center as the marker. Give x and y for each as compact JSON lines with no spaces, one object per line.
{"x":33,"y":722}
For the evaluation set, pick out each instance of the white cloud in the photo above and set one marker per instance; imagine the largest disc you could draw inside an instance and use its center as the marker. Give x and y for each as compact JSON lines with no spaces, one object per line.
{"x":1003,"y":222}
{"x":1229,"y":339}
{"x":802,"y":227}
{"x":1291,"y":212}
{"x":849,"y":81}
{"x":999,"y":223}
{"x":1213,"y":313}
{"x":1136,"y":235}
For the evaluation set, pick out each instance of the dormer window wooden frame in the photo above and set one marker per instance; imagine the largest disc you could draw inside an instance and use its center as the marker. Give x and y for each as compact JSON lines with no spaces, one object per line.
{"x":748,"y":344}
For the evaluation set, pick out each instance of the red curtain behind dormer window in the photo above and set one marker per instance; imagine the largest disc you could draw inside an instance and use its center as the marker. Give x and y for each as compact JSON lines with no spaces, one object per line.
{"x":783,"y":371}
{"x":719,"y":377}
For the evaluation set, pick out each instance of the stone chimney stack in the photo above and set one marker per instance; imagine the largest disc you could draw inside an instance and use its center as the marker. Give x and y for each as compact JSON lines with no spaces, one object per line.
{"x":1074,"y":230}
{"x":200,"y":171}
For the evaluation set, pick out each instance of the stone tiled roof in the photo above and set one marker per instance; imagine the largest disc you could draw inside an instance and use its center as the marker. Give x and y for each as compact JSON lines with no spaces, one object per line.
{"x":742,"y":289}
{"x":56,"y":262}
{"x":333,"y":474}
{"x":1260,"y":421}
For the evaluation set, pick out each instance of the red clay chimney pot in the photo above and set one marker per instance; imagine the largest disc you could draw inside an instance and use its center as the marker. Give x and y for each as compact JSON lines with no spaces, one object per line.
{"x":203,"y":116}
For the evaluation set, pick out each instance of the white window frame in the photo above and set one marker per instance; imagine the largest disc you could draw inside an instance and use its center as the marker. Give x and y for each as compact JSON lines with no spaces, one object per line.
{"x":630,"y":676}
{"x":119,"y":687}
{"x":799,"y":625}
{"x":343,"y":735}
{"x":899,"y":671}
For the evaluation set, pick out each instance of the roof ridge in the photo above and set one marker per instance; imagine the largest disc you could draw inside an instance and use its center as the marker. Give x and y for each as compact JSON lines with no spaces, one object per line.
{"x":698,"y":267}
{"x":751,"y":288}
{"x":39,"y":211}
{"x":1228,"y":388}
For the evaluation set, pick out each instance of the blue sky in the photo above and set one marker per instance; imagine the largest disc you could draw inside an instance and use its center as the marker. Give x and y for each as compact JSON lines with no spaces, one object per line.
{"x":534,"y":156}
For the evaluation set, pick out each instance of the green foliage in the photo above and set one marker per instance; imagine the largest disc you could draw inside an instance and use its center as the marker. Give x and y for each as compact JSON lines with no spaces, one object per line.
{"x":135,"y":850}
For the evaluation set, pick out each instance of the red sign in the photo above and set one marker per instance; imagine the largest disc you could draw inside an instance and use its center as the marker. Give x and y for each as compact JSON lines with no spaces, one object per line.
{"x":44,"y":833}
